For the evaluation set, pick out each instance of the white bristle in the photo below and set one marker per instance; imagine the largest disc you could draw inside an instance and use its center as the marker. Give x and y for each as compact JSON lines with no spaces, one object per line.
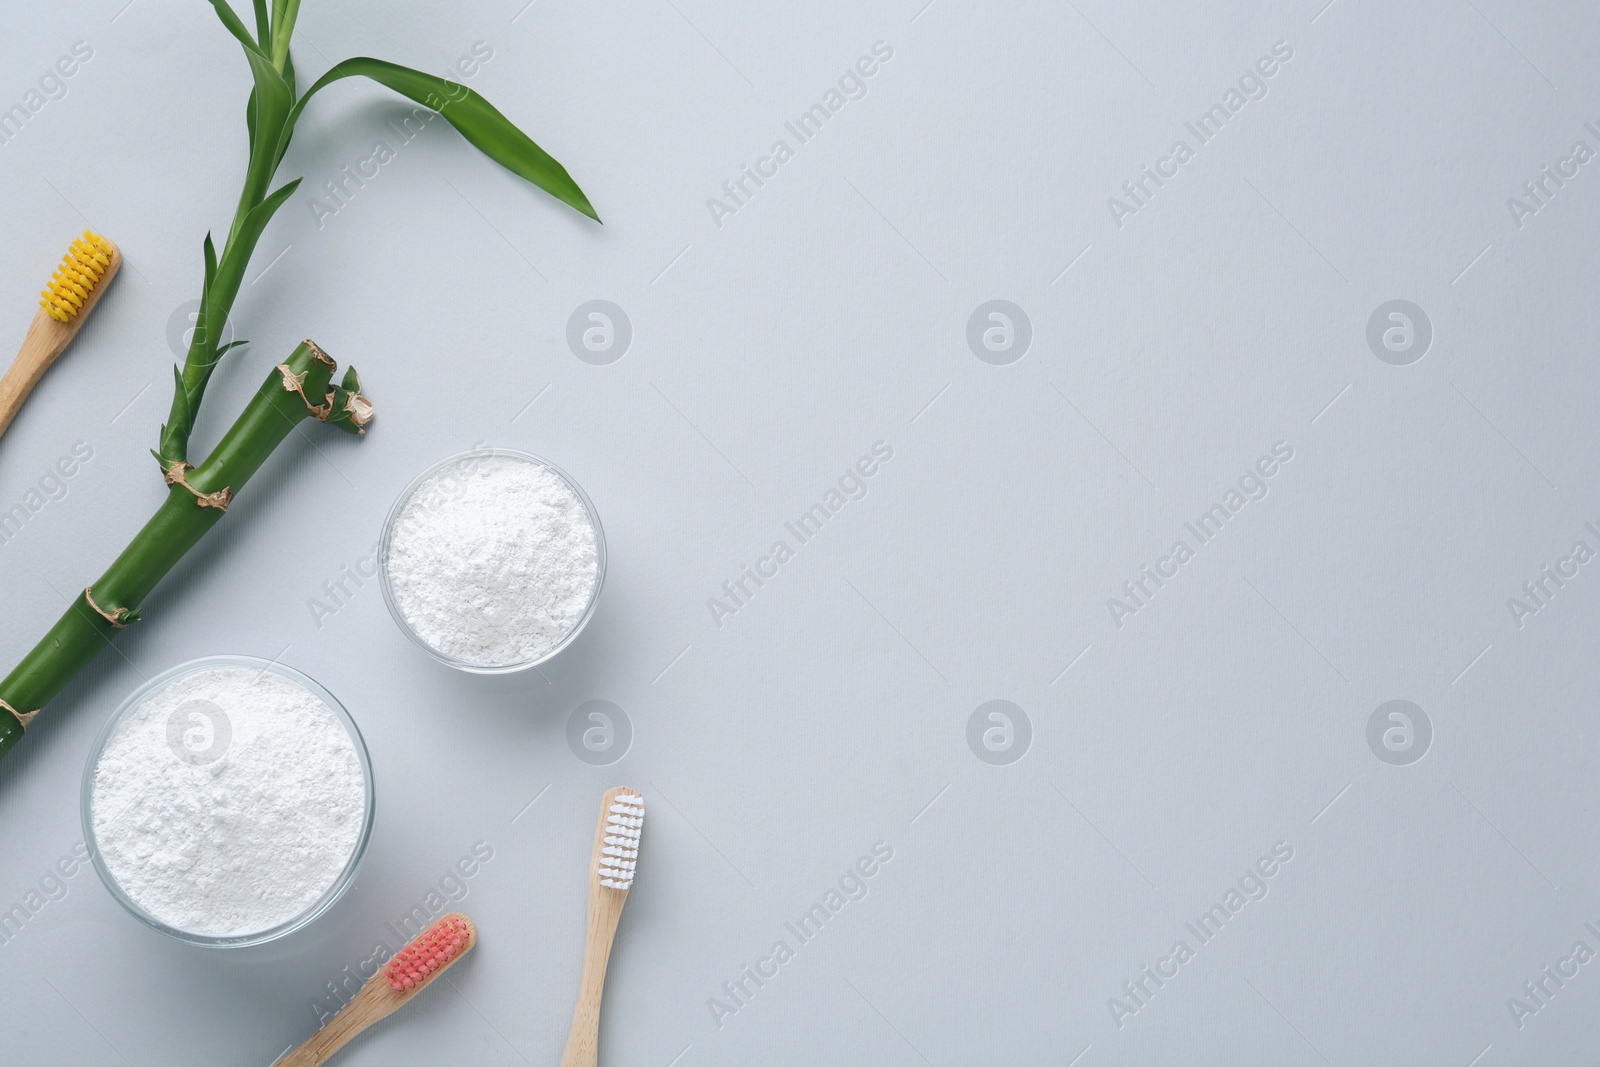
{"x":620,"y":854}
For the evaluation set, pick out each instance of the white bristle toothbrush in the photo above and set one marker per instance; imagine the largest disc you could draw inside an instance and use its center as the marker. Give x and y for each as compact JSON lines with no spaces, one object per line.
{"x":616,"y":855}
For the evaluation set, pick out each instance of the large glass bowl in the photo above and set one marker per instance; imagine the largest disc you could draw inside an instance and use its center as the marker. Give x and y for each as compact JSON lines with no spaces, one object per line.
{"x":466,"y":460}
{"x":258,"y":937}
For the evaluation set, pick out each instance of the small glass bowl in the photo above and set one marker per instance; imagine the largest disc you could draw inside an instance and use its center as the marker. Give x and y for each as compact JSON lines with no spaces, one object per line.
{"x":132,"y":703}
{"x":467,"y":458}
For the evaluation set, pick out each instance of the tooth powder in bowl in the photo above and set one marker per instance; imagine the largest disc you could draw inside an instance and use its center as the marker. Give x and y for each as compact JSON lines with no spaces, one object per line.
{"x":228,"y":801}
{"x":493,"y":561}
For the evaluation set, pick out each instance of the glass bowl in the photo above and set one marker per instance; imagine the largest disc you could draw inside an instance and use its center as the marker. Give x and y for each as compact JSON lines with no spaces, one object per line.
{"x":466,"y":460}
{"x":289,"y":926}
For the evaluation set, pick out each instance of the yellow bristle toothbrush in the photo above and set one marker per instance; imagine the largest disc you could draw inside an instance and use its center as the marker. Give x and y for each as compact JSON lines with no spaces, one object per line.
{"x":616,"y":854}
{"x":77,"y":285}
{"x":406,"y":974}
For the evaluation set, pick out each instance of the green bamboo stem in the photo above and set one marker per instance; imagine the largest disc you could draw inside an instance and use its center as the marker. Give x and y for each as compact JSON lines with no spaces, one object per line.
{"x":177,"y":526}
{"x":274,"y":108}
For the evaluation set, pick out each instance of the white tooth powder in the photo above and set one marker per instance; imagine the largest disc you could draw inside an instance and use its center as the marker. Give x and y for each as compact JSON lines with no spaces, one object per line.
{"x":229,"y":801}
{"x":493,"y":560}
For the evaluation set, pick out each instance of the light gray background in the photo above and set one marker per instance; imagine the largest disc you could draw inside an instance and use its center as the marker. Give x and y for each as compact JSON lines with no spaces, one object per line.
{"x":831,"y":712}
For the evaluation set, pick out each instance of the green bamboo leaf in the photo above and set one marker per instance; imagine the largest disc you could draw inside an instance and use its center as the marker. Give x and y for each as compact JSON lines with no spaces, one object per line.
{"x":199,"y":355}
{"x":272,"y":96}
{"x":284,"y":14}
{"x":479,"y":121}
{"x":198,"y":338}
{"x":230,"y":272}
{"x":262,"y":213}
{"x":231,"y":344}
{"x":273,"y":101}
{"x":235,"y":27}
{"x":175,"y":432}
{"x":210,"y":252}
{"x":201,"y":340}
{"x":219,"y":293}
{"x":270,"y":103}
{"x":288,"y":129}
{"x":250,"y":105}
{"x":263,"y":30}
{"x":268,"y":120}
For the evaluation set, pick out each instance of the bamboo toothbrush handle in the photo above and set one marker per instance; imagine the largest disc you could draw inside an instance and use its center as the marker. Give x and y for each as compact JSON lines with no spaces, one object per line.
{"x":46,"y":340}
{"x":332,"y":1037}
{"x":408,"y":973}
{"x":583,"y":1040}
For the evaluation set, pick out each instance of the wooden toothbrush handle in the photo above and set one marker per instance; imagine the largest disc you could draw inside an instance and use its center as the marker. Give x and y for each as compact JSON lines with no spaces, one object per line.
{"x":368,"y":1007}
{"x":583,"y":1040}
{"x":46,"y":340}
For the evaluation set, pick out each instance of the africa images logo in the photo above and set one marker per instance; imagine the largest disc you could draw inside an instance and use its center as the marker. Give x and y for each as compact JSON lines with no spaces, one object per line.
{"x":999,"y":733}
{"x":199,"y":732}
{"x":599,"y":732}
{"x":999,"y":332}
{"x":599,"y":332}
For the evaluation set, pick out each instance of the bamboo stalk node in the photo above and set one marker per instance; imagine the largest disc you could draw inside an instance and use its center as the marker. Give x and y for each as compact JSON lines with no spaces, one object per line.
{"x":118,"y":618}
{"x":319,"y":353}
{"x":175,"y":475}
{"x":296,"y":383}
{"x":357,"y":407}
{"x":23,"y":717}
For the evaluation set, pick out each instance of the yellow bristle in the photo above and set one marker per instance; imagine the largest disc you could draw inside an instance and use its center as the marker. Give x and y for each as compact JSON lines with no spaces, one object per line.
{"x":81,"y":269}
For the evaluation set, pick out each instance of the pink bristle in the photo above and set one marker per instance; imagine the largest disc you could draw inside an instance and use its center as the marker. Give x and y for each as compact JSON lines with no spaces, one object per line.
{"x":430,"y":952}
